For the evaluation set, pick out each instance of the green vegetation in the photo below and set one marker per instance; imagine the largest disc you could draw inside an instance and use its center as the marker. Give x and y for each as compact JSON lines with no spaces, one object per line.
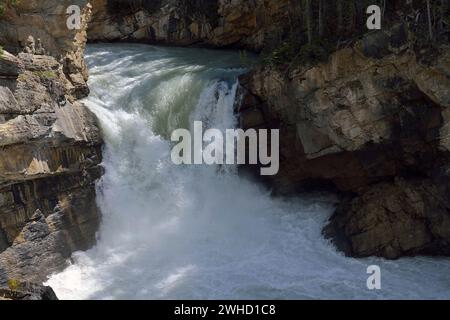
{"x":319,"y":27}
{"x":314,"y":52}
{"x":45,"y":74}
{"x":285,"y":52}
{"x":291,"y":53}
{"x":5,"y":3}
{"x":13,"y":284}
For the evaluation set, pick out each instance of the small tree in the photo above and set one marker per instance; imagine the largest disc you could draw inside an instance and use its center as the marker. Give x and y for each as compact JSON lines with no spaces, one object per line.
{"x":340,"y":15}
{"x":430,"y":24}
{"x":321,"y":18}
{"x":309,"y":20}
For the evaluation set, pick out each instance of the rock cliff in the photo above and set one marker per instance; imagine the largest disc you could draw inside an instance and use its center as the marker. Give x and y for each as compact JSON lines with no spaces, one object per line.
{"x":218,"y":23}
{"x":50,"y":143}
{"x":372,"y":122}
{"x":46,"y":20}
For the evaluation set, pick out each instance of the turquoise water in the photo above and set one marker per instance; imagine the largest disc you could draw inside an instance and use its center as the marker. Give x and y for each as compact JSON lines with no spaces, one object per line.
{"x":200,"y":232}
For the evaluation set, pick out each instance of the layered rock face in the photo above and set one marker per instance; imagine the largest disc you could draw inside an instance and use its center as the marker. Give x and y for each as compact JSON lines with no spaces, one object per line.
{"x":50,"y":151}
{"x":50,"y":146}
{"x":372,"y":122}
{"x":219,"y":23}
{"x":47,"y":20}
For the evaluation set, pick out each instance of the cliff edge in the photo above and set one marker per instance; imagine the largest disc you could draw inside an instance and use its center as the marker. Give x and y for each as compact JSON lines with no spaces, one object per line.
{"x":50,"y":143}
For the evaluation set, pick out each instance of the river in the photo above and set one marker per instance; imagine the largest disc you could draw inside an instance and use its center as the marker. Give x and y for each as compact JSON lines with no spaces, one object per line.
{"x":203,"y":232}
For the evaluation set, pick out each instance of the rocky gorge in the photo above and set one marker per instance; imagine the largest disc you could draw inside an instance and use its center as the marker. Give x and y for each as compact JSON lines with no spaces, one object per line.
{"x":370,"y":121}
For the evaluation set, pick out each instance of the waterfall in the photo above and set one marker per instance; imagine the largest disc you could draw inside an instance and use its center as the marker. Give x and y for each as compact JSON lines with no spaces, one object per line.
{"x":202,"y":232}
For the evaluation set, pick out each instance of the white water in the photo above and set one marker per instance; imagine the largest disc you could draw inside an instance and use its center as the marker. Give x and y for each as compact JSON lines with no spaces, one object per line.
{"x":196,"y":232}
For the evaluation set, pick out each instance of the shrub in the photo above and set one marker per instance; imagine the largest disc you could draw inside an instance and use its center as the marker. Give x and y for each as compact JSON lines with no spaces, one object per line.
{"x":283,"y":54}
{"x":293,"y":52}
{"x":13,"y":284}
{"x":5,"y":3}
{"x":45,"y":74}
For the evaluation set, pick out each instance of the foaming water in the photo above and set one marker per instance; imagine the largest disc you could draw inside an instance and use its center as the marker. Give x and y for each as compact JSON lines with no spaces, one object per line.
{"x":197,"y":232}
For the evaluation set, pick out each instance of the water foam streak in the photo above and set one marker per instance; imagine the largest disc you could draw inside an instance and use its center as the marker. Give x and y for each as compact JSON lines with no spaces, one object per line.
{"x":197,"y":232}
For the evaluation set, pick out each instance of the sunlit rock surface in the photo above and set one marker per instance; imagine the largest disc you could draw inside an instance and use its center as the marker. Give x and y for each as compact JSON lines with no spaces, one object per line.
{"x":50,"y":144}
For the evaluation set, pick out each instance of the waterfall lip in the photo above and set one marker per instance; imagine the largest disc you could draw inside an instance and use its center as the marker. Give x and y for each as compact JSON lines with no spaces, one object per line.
{"x":197,"y":232}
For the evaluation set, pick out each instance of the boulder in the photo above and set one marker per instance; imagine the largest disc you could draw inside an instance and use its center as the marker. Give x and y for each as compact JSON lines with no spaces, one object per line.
{"x":10,"y":66}
{"x":407,"y":217}
{"x":26,"y":291}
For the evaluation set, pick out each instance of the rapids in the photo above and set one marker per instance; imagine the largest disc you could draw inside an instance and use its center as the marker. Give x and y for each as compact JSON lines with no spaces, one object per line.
{"x":202,"y":232}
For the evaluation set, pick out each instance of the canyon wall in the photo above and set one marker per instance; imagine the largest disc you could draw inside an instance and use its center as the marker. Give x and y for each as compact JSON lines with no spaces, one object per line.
{"x":364,"y":115}
{"x":372,"y":121}
{"x":47,"y":20}
{"x":50,"y":143}
{"x":251,"y":24}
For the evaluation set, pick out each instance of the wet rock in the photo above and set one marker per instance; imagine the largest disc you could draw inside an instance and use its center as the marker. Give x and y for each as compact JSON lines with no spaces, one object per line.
{"x":26,"y":291}
{"x":391,"y":220}
{"x":374,"y":113}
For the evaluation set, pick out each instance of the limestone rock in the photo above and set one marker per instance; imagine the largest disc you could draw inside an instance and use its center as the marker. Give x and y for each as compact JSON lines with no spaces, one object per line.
{"x":10,"y":66}
{"x":373,"y":113}
{"x":30,"y":46}
{"x":26,"y":291}
{"x":50,"y":150}
{"x":219,"y":23}
{"x":8,"y":103}
{"x":45,"y":21}
{"x":392,"y":220}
